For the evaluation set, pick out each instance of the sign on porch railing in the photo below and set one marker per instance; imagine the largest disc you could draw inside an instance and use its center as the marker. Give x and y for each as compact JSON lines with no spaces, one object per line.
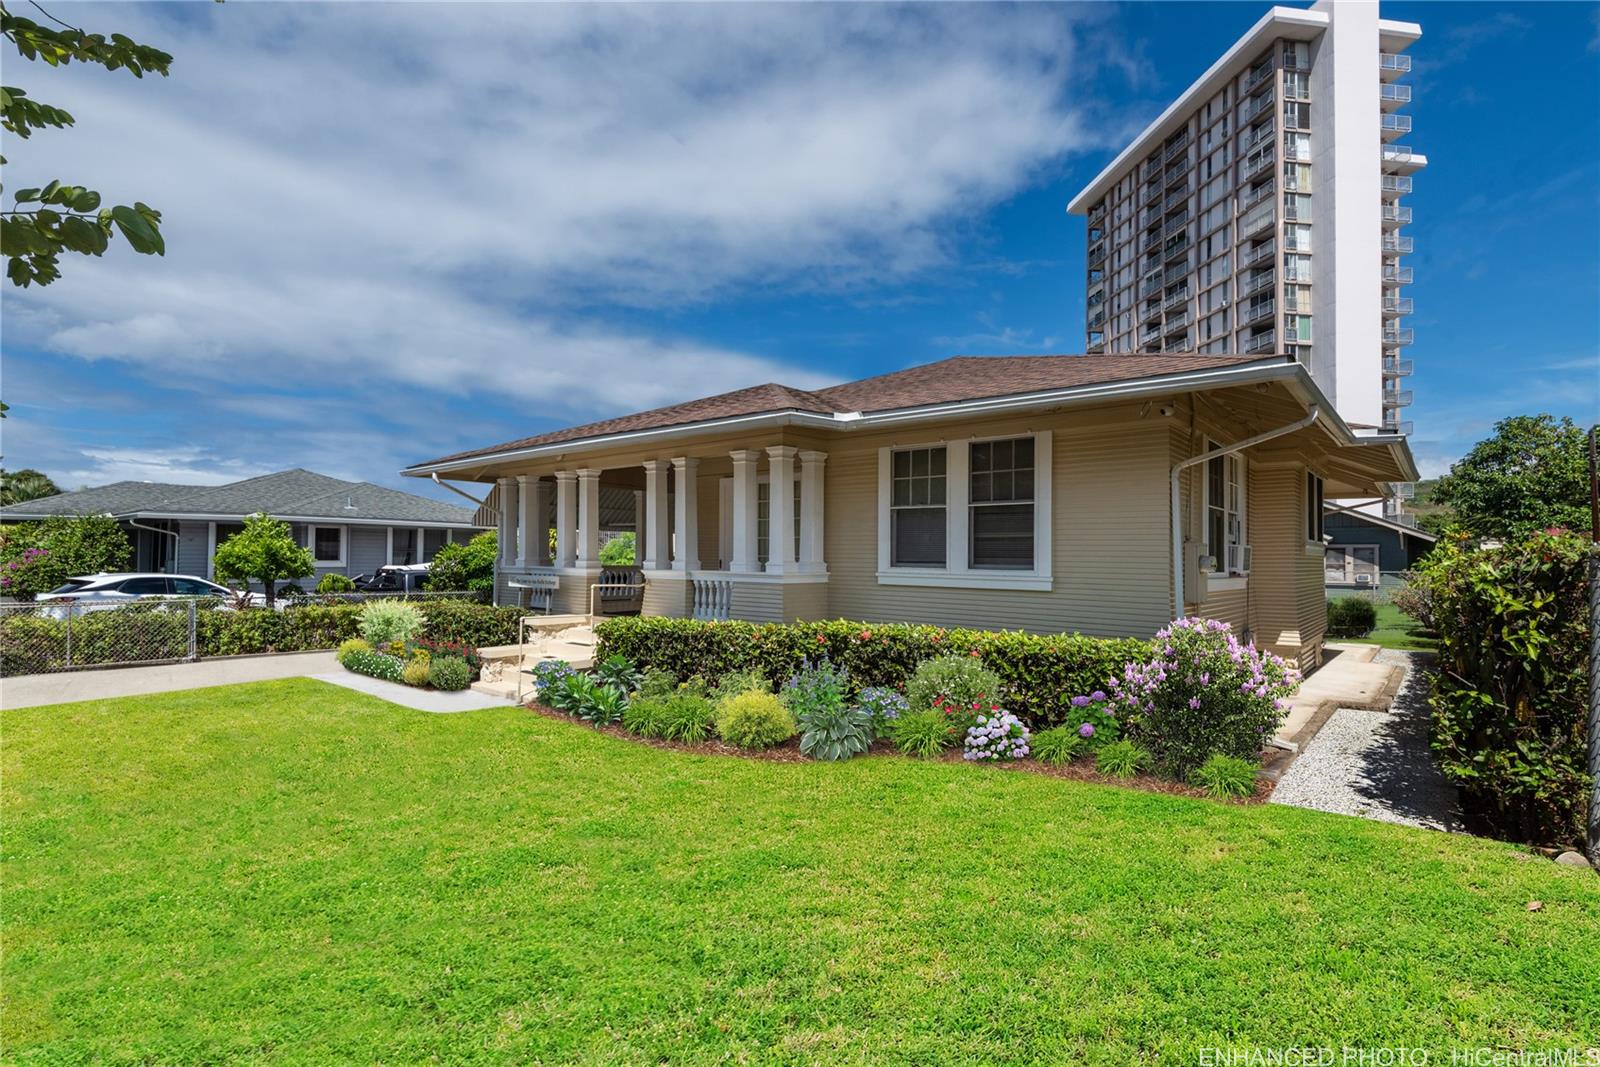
{"x":713,"y":598}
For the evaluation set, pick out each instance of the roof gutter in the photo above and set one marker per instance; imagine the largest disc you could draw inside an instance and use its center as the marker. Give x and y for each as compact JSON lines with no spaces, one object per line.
{"x":1177,"y":513}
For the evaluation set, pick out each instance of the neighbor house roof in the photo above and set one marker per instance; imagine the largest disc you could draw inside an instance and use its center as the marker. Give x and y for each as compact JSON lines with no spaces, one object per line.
{"x":949,"y":381}
{"x":299,"y":494}
{"x":1333,"y":509}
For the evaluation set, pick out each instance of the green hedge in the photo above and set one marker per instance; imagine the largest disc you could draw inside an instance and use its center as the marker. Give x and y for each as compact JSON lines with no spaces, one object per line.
{"x":1041,"y":672}
{"x":34,"y":644}
{"x":1510,"y":698}
{"x":1351,"y":616}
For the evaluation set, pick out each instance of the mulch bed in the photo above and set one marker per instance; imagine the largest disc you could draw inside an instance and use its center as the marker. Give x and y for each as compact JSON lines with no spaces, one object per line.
{"x":789,"y":752}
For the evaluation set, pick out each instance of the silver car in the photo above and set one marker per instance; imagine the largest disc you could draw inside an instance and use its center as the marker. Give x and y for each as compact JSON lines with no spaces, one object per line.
{"x":92,"y":592}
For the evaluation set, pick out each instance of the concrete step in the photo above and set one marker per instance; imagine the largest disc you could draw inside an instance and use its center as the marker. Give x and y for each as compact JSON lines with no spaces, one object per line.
{"x":499,"y":688}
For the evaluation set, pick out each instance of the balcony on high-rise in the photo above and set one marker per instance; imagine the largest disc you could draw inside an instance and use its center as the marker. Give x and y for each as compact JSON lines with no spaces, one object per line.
{"x":1396,"y":215}
{"x":1395,"y":367}
{"x":1396,"y":184}
{"x":1261,"y":342}
{"x":1260,"y":281}
{"x":1396,"y":398}
{"x":1394,"y":125}
{"x":1260,"y":253}
{"x":1398,"y":335}
{"x":1400,"y":159}
{"x":1260,"y":160}
{"x":1391,"y":66}
{"x":1393,"y":96}
{"x":1256,"y":310}
{"x":1396,"y":245}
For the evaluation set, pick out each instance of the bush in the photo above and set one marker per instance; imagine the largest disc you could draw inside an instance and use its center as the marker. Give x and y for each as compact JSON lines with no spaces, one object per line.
{"x":383,"y":621}
{"x":1225,"y":776}
{"x":334,"y":583}
{"x":549,"y":674}
{"x":465,"y":567}
{"x":1093,"y":719}
{"x":468,"y":622}
{"x":449,"y":673}
{"x":952,"y":680}
{"x":36,"y":557}
{"x":603,"y":707}
{"x":355,"y":644}
{"x":884,"y":705}
{"x":1121,"y":759}
{"x":418,"y":670}
{"x":375,"y":664}
{"x":571,"y":692}
{"x":754,"y":720}
{"x":921,"y":733}
{"x":657,"y":682}
{"x":996,"y":735}
{"x":1509,"y":700}
{"x":830,"y":729}
{"x":735,"y":682}
{"x":1202,"y":693}
{"x":1058,"y":745}
{"x":1039,"y":673}
{"x":1351,"y":616}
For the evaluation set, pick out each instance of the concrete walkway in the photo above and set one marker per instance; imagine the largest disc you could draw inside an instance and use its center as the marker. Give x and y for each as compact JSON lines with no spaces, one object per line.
{"x":1376,"y":764}
{"x":1351,"y":676}
{"x":35,"y":689}
{"x":410,"y":697}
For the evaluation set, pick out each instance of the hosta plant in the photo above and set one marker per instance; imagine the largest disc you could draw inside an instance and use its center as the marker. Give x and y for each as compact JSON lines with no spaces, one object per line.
{"x":603,"y":706}
{"x":996,"y":735}
{"x":834,"y":732}
{"x":619,"y":673}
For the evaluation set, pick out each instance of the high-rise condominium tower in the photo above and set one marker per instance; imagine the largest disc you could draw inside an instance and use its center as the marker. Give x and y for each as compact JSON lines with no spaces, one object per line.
{"x":1261,"y":212}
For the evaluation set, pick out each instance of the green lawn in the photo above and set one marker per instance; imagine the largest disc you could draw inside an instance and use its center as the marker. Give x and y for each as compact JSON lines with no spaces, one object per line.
{"x":293,"y":873}
{"x":1396,"y":629}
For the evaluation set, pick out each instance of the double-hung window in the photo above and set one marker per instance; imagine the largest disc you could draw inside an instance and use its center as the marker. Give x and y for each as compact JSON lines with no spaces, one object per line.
{"x":1225,"y":514}
{"x":764,"y":519}
{"x":972,"y":512}
{"x":917,"y":515}
{"x":1000,"y":504}
{"x":1313,"y":508}
{"x":327,"y":545}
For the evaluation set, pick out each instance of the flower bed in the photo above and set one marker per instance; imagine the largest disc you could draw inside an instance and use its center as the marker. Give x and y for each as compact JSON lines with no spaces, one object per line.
{"x":1188,"y":713}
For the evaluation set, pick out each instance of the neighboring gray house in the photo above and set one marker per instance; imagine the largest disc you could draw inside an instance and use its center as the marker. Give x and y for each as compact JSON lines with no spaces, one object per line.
{"x":1368,"y":552}
{"x":350,"y":527}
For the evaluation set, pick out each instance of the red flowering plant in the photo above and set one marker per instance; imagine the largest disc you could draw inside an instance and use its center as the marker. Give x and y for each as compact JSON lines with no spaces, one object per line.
{"x":436,"y":649}
{"x":960,"y":687}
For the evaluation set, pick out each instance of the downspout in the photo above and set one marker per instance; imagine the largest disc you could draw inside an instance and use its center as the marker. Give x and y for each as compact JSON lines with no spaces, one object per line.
{"x":136,"y":524}
{"x":453,"y":489}
{"x":1177,"y":514}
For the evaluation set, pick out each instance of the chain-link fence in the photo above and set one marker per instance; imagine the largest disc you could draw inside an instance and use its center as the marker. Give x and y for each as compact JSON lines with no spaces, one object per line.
{"x":1377,"y":586}
{"x":64,"y":636}
{"x":298,"y":599}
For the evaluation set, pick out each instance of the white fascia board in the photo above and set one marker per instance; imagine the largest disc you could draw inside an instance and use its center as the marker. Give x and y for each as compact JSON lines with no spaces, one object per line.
{"x":1293,"y":23}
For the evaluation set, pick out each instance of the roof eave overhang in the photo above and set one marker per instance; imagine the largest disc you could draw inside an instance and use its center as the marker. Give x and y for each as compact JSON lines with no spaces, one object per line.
{"x":190,"y":516}
{"x":1273,"y":368}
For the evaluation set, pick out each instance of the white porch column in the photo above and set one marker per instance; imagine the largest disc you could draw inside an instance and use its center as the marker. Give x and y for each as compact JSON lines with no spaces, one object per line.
{"x":566,"y":521}
{"x":811,"y":554}
{"x":657,"y":523}
{"x":538,"y":523}
{"x":745,"y":555}
{"x":780,"y":509}
{"x":638,"y":527}
{"x":686,"y":471}
{"x":525,"y":520}
{"x":588,"y":517}
{"x":508,"y":522}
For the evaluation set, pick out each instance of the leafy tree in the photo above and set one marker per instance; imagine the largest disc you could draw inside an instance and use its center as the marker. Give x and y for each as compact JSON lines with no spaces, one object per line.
{"x":468,"y":566}
{"x":67,"y":217}
{"x":618,"y":552}
{"x":264,"y":551}
{"x":36,"y":557}
{"x":25,"y":485}
{"x":1532,"y":474}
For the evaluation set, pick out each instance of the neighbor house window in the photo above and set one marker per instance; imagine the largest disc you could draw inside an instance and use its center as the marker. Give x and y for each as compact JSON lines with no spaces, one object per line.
{"x":327,"y":544}
{"x":1313,"y":508}
{"x":1225,"y":512}
{"x":1351,"y":565}
{"x":403,"y":546}
{"x":917,"y":508}
{"x":1000,"y":504}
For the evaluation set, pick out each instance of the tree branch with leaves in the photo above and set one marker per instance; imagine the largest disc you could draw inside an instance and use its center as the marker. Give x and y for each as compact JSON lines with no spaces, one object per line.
{"x":61,"y":216}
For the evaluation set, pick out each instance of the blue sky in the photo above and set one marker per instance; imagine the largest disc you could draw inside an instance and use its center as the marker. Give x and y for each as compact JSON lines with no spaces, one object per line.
{"x":394,"y":233}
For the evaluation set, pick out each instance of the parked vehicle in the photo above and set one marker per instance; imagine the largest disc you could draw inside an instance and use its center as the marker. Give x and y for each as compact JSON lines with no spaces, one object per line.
{"x":90,"y":592}
{"x":397,"y":578}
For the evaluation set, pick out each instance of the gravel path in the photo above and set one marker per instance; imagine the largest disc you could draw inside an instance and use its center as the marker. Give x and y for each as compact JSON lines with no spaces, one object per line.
{"x":1376,"y":764}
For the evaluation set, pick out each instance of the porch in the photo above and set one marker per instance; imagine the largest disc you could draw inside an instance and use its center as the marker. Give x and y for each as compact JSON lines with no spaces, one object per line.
{"x":703,"y":545}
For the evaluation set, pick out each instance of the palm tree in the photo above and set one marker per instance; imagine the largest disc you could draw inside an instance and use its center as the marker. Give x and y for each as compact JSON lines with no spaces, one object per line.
{"x":25,"y":485}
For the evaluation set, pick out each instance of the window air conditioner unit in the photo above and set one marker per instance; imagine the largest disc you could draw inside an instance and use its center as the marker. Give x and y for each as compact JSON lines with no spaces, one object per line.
{"x":1363,"y":579}
{"x":1239,"y":559}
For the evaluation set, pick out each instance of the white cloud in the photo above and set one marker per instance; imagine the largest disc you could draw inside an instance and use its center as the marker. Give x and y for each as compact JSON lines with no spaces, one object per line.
{"x":179,"y":465}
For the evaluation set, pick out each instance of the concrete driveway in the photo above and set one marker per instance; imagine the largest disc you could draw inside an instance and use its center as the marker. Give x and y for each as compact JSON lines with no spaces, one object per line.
{"x":34,"y":689}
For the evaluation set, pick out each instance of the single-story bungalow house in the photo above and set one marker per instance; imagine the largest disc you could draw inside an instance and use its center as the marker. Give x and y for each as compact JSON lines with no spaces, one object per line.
{"x":1368,"y":551}
{"x":1101,"y":494}
{"x":350,"y":527}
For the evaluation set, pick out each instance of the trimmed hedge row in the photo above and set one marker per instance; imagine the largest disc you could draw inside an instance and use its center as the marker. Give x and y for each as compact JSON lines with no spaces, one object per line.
{"x":35,"y":644}
{"x":1041,"y":673}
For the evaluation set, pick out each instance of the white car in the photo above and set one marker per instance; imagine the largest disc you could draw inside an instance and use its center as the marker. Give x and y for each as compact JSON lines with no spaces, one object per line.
{"x":91,"y":592}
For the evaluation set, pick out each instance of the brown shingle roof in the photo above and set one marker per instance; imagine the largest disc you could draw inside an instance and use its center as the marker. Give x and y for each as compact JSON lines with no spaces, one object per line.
{"x":948,"y":381}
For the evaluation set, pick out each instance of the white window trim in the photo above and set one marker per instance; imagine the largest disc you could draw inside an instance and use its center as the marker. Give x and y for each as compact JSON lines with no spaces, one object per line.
{"x":1242,"y":467}
{"x":957,"y":572}
{"x":311,"y":544}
